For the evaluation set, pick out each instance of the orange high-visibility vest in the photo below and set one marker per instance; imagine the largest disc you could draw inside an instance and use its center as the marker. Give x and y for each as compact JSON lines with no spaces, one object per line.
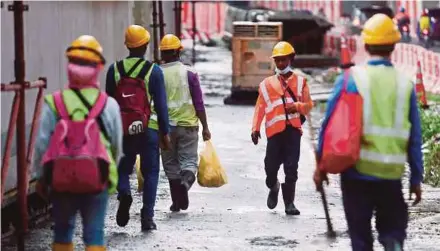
{"x":270,"y":104}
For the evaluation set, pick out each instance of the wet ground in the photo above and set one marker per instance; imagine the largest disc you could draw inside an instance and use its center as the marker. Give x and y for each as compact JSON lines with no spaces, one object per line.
{"x":235,"y":216}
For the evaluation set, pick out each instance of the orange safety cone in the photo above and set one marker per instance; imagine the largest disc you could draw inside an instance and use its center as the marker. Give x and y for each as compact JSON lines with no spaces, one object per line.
{"x":345,"y":55}
{"x":420,"y":88}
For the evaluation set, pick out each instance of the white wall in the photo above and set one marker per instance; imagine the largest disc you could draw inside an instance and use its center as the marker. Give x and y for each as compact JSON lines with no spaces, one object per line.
{"x":50,"y":27}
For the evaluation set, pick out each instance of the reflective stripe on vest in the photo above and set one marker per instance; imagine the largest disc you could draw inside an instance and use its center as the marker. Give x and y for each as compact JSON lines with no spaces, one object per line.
{"x":180,"y":106}
{"x":398,"y":129}
{"x":271,"y":105}
{"x":386,"y":154}
{"x":275,"y":111}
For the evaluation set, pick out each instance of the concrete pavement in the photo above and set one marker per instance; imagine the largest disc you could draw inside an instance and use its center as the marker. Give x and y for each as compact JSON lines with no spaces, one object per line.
{"x":235,"y":216}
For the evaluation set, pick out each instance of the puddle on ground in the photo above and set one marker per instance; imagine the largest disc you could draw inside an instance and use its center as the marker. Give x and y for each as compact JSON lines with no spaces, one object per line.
{"x":273,"y":241}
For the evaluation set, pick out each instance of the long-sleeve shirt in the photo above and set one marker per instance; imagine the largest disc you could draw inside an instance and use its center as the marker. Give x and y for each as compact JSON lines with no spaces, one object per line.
{"x":196,"y":91}
{"x":415,"y":140}
{"x":156,"y":88}
{"x":111,"y":119}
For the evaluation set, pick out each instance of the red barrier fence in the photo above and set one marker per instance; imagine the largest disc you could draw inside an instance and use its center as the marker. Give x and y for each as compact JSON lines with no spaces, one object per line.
{"x":405,"y":57}
{"x":210,"y":19}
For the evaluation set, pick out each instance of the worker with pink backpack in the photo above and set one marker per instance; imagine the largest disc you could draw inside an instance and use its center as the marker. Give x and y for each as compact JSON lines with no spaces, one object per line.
{"x":79,"y":145}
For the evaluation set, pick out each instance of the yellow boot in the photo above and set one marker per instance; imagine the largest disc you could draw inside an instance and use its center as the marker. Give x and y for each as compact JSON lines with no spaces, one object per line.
{"x":62,"y":247}
{"x":95,"y":248}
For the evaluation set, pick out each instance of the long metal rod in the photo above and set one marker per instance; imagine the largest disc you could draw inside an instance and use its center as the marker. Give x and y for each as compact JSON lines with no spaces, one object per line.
{"x":161,"y":22}
{"x":22,"y":179}
{"x":330,"y":231}
{"x":178,"y":18}
{"x":34,"y":128}
{"x":155,"y":45}
{"x":194,"y":31}
{"x":8,"y":145}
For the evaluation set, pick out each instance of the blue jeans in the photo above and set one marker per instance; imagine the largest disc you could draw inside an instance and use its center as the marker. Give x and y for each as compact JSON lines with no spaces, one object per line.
{"x":147,"y":146}
{"x":361,"y":198}
{"x":92,"y":208}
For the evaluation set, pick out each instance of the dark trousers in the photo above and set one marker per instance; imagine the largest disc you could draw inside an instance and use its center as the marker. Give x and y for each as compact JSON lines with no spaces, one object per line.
{"x":283,"y":148}
{"x":147,"y":146}
{"x":361,"y":198}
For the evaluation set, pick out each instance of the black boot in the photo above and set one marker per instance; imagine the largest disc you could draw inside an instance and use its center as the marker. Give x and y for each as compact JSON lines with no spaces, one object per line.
{"x":123,"y":214}
{"x":147,"y":223}
{"x":272,"y":199}
{"x":188,"y":179}
{"x":174,"y":191}
{"x":289,"y":198}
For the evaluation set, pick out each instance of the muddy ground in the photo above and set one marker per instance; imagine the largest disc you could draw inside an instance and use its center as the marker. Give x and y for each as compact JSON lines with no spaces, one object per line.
{"x":235,"y":216}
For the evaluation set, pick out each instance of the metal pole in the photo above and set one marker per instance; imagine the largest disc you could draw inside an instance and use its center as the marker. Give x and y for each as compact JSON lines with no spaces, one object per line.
{"x":155,"y":45}
{"x":194,"y":31}
{"x":178,"y":17}
{"x":22,"y":179}
{"x":161,"y":22}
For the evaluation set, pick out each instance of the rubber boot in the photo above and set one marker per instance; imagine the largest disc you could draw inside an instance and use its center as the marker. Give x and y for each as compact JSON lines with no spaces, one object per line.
{"x":188,"y":179}
{"x":123,"y":214}
{"x":272,"y":198}
{"x":289,"y":198}
{"x":392,"y":245}
{"x":147,"y":223}
{"x":174,"y":191}
{"x":62,"y":247}
{"x":95,"y":248}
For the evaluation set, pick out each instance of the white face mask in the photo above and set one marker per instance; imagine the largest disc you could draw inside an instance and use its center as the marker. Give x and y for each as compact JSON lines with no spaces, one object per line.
{"x":284,"y":71}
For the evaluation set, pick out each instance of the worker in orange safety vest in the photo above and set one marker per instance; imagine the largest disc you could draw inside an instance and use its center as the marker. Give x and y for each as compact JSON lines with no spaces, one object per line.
{"x":283,"y":99}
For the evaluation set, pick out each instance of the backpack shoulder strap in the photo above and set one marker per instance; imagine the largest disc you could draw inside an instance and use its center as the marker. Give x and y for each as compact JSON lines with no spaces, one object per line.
{"x":99,"y":105}
{"x":120,"y":66}
{"x":59,"y":105}
{"x":148,"y":66}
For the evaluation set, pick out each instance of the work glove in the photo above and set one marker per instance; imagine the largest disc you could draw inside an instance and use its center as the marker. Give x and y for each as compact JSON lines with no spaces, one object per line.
{"x":417,"y":190}
{"x":255,"y":135}
{"x":206,"y":134}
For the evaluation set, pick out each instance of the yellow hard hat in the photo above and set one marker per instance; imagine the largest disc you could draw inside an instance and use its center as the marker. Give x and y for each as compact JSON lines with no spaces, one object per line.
{"x":136,"y":36}
{"x":282,"y":49}
{"x":380,"y":30}
{"x":170,"y":42}
{"x":86,"y":47}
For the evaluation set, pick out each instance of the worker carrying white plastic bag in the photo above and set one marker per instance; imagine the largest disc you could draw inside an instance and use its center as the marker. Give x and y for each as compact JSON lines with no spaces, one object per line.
{"x":211,"y":172}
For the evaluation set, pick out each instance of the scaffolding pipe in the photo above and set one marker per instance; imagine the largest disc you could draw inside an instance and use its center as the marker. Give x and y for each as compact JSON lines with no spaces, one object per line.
{"x":22,"y":179}
{"x":161,"y":22}
{"x":178,"y":18}
{"x":7,"y":155}
{"x":194,"y":31}
{"x":155,"y":45}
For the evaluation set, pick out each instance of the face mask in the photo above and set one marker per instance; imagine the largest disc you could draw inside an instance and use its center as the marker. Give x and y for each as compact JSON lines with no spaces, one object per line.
{"x":284,"y":71}
{"x":81,"y":76}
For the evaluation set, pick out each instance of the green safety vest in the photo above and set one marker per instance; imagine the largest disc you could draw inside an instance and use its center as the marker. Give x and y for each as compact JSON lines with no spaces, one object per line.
{"x":386,"y":97}
{"x":73,"y":103}
{"x":180,"y":108}
{"x":128,"y":64}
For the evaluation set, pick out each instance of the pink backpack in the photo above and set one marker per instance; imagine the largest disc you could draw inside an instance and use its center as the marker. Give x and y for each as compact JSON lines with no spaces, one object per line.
{"x":76,"y":160}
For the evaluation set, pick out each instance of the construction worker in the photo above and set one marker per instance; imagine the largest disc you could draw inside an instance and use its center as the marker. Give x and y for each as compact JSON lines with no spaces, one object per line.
{"x":139,"y":85}
{"x":424,"y":23}
{"x":79,"y":102}
{"x":283,"y":99}
{"x":391,"y":137}
{"x":185,"y":108}
{"x":402,"y":18}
